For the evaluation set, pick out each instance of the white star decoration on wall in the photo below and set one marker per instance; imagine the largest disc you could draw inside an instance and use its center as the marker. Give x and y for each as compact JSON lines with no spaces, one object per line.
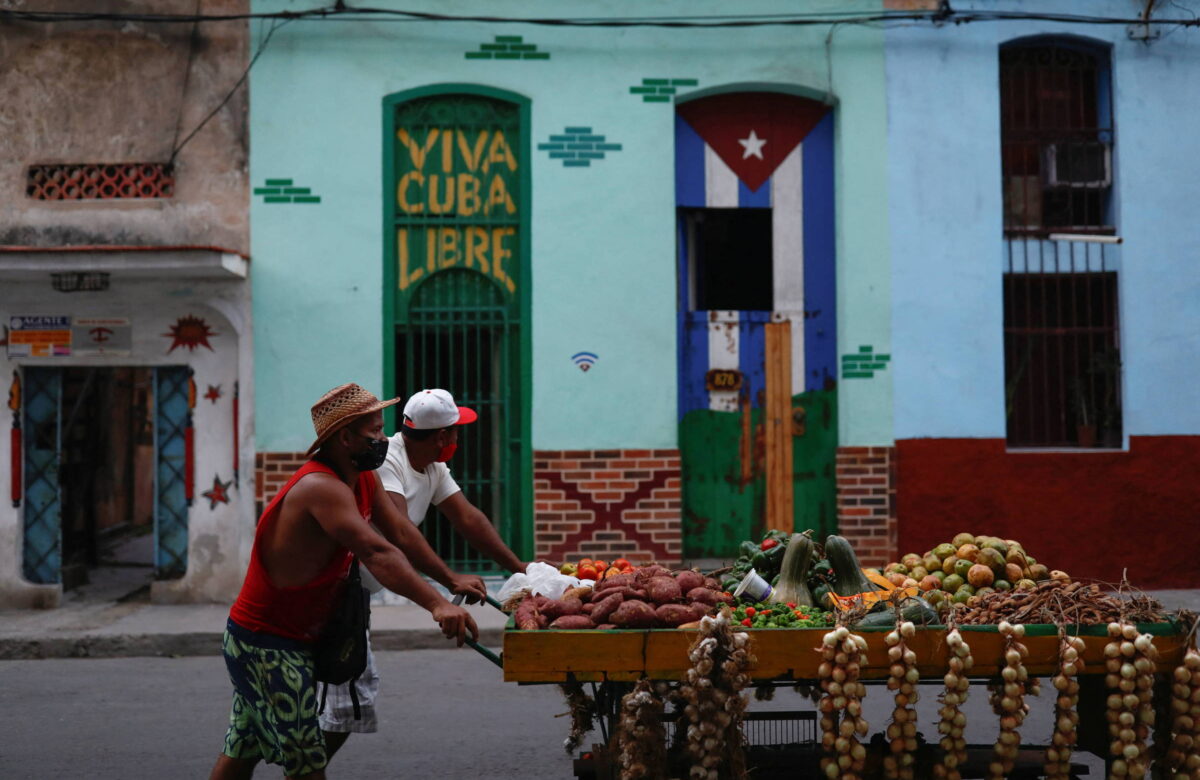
{"x":753,"y":146}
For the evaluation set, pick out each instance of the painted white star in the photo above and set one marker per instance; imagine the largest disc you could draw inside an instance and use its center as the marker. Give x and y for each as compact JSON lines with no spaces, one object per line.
{"x":753,"y":146}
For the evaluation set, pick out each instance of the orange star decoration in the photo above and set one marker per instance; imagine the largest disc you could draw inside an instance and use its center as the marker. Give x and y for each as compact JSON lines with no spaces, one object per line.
{"x":214,"y":392}
{"x":190,"y":332}
{"x":219,"y":494}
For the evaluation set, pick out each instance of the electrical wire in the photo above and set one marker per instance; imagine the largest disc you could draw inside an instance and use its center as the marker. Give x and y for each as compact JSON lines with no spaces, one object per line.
{"x":275,"y":26}
{"x":341,"y":12}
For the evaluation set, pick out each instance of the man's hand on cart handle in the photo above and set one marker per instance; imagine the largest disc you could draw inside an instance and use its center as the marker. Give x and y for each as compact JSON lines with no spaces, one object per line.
{"x":455,"y":622}
{"x":468,"y":585}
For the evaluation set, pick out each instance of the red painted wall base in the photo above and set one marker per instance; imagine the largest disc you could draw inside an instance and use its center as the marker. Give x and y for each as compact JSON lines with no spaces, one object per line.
{"x":1091,"y":514}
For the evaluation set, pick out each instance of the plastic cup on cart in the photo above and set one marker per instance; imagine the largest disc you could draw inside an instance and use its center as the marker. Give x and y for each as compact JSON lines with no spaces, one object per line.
{"x":753,"y":587}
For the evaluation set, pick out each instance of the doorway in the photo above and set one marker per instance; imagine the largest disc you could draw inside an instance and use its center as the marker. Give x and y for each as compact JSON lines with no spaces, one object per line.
{"x":757,"y":392}
{"x":106,"y":475}
{"x":105,"y":462}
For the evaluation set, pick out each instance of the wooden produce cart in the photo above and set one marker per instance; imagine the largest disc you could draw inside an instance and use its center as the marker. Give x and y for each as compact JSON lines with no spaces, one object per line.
{"x":612,"y":660}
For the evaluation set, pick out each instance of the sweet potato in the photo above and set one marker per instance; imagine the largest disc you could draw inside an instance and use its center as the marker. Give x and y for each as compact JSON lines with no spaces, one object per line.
{"x":573,"y":621}
{"x":582,"y":593}
{"x":654,"y":570}
{"x":689,"y":579}
{"x":526,"y":615}
{"x":556,"y":608}
{"x":634,"y":614}
{"x":629,"y":593}
{"x":606,"y":627}
{"x":693,"y":624}
{"x":602,"y":609}
{"x":663,"y":590}
{"x":712,"y":584}
{"x":672,"y":615}
{"x":615,"y":581}
{"x":704,"y":596}
{"x":588,"y":607}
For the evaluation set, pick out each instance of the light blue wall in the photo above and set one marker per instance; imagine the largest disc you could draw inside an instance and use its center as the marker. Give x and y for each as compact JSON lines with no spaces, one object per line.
{"x":945,"y":219}
{"x":602,"y":238}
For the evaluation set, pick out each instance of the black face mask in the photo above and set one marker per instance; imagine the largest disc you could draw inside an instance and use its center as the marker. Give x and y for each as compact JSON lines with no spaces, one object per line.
{"x":372,"y":457}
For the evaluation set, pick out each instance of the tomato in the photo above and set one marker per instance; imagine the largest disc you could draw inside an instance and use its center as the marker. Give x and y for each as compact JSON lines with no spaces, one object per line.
{"x":801,"y":615}
{"x":585,"y":561}
{"x":768,"y":543}
{"x":727,"y":596}
{"x":751,"y":611}
{"x":747,"y":622}
{"x":791,"y":605}
{"x":587,"y":573}
{"x":621,"y":563}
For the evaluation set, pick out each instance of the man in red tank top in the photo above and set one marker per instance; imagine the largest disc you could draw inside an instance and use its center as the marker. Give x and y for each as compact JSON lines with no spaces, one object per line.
{"x":302,"y":551}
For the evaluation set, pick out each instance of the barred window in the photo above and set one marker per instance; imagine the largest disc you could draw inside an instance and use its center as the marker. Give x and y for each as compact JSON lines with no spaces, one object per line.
{"x":1056,"y":138}
{"x":1061,"y":324}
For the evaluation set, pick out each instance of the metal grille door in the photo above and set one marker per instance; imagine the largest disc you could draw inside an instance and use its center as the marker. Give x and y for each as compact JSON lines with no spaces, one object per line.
{"x":455,"y":240}
{"x":171,"y":420}
{"x":43,"y":496}
{"x":460,"y":338}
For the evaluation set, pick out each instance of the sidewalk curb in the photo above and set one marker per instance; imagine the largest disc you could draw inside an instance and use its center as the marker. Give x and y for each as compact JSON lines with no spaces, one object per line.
{"x":201,"y":643}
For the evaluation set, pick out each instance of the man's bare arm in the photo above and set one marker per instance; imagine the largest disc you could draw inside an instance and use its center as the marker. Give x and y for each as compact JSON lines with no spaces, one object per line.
{"x":391,"y":517}
{"x":334,"y":509}
{"x":479,"y":531}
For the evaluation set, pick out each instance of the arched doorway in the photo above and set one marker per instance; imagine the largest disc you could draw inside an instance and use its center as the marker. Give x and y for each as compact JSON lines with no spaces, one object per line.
{"x":457,"y":288}
{"x":757,"y":320}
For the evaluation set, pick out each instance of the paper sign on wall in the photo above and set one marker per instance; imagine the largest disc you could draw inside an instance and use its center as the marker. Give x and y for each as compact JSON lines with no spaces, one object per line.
{"x":39,"y":336}
{"x":101,"y":336}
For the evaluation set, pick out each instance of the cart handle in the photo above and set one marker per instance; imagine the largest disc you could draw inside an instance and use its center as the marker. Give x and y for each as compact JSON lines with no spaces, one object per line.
{"x":485,"y":652}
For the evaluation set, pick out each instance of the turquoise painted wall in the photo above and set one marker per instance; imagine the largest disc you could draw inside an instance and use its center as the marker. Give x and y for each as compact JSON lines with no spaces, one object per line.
{"x":945,"y":219}
{"x":602,"y":237}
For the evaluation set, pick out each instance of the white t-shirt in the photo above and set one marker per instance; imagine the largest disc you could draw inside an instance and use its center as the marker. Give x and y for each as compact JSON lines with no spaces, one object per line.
{"x":419,"y":488}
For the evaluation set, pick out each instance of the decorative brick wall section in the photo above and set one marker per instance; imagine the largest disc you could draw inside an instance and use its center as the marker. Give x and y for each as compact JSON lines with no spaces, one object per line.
{"x":607,"y":504}
{"x":271,"y":471}
{"x":866,"y":502}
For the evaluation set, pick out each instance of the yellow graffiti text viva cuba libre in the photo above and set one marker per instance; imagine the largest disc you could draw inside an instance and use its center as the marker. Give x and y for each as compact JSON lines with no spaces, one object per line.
{"x":447,"y":174}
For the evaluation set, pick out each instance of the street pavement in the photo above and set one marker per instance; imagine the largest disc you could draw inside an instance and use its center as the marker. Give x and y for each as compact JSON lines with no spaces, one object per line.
{"x":442,"y":714}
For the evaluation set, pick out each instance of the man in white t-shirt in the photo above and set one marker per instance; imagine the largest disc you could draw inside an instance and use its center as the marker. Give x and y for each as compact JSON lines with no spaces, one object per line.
{"x":415,"y":475}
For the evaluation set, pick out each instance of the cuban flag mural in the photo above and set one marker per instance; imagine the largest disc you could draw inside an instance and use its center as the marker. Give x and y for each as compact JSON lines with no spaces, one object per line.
{"x":754,"y":185}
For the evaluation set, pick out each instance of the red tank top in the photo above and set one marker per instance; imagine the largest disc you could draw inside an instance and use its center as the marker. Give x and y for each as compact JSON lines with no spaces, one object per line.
{"x":298,"y":612}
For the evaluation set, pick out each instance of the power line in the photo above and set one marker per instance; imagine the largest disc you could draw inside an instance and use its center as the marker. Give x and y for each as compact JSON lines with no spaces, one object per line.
{"x":341,"y":12}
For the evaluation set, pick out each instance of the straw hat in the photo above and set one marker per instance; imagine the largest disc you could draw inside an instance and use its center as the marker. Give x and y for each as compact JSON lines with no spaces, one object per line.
{"x":339,"y":407}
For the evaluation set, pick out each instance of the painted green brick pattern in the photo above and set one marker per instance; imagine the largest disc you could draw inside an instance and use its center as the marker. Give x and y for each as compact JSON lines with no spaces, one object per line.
{"x":508,"y":47}
{"x":577,"y":147}
{"x":654,"y":90}
{"x":285,"y":191}
{"x":864,"y":363}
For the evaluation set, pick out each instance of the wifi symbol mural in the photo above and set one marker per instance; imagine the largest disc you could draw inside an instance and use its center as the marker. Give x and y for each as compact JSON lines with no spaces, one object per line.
{"x":584,"y":360}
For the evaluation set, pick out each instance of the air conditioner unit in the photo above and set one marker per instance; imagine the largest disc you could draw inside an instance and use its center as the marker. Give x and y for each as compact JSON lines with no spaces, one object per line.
{"x":1077,"y":164}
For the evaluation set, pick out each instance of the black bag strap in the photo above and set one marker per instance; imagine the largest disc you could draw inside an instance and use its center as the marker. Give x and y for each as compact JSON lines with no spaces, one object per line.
{"x":353,"y":698}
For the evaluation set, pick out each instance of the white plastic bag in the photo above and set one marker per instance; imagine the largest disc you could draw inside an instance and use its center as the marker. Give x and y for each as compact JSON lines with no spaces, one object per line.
{"x":541,"y":579}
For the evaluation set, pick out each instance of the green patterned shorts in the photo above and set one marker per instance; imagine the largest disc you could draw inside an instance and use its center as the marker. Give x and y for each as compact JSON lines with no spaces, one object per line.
{"x":274,"y":716}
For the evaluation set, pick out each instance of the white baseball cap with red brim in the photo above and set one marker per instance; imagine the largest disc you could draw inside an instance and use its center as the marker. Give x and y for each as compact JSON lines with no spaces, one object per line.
{"x":434,"y":409}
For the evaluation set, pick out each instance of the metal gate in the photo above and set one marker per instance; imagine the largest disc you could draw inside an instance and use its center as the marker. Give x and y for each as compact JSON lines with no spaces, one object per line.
{"x":172,"y":419}
{"x":455,"y":235}
{"x":42,"y":426}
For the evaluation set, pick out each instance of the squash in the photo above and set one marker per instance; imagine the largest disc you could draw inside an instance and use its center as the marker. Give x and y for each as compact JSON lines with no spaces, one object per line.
{"x":793,"y":573}
{"x":914,"y":609}
{"x":850,"y":578}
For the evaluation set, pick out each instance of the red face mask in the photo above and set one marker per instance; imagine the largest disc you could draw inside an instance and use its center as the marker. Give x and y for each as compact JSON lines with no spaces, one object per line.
{"x":447,"y":453}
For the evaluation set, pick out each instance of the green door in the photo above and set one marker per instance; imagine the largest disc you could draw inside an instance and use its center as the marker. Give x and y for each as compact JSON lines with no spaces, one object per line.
{"x":456,"y":265}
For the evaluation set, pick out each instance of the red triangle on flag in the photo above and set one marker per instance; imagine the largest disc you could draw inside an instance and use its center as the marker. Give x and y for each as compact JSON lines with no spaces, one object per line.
{"x":752,"y":132}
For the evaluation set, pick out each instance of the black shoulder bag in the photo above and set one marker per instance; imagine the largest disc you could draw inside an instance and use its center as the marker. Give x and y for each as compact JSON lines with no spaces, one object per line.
{"x":341,"y":651}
